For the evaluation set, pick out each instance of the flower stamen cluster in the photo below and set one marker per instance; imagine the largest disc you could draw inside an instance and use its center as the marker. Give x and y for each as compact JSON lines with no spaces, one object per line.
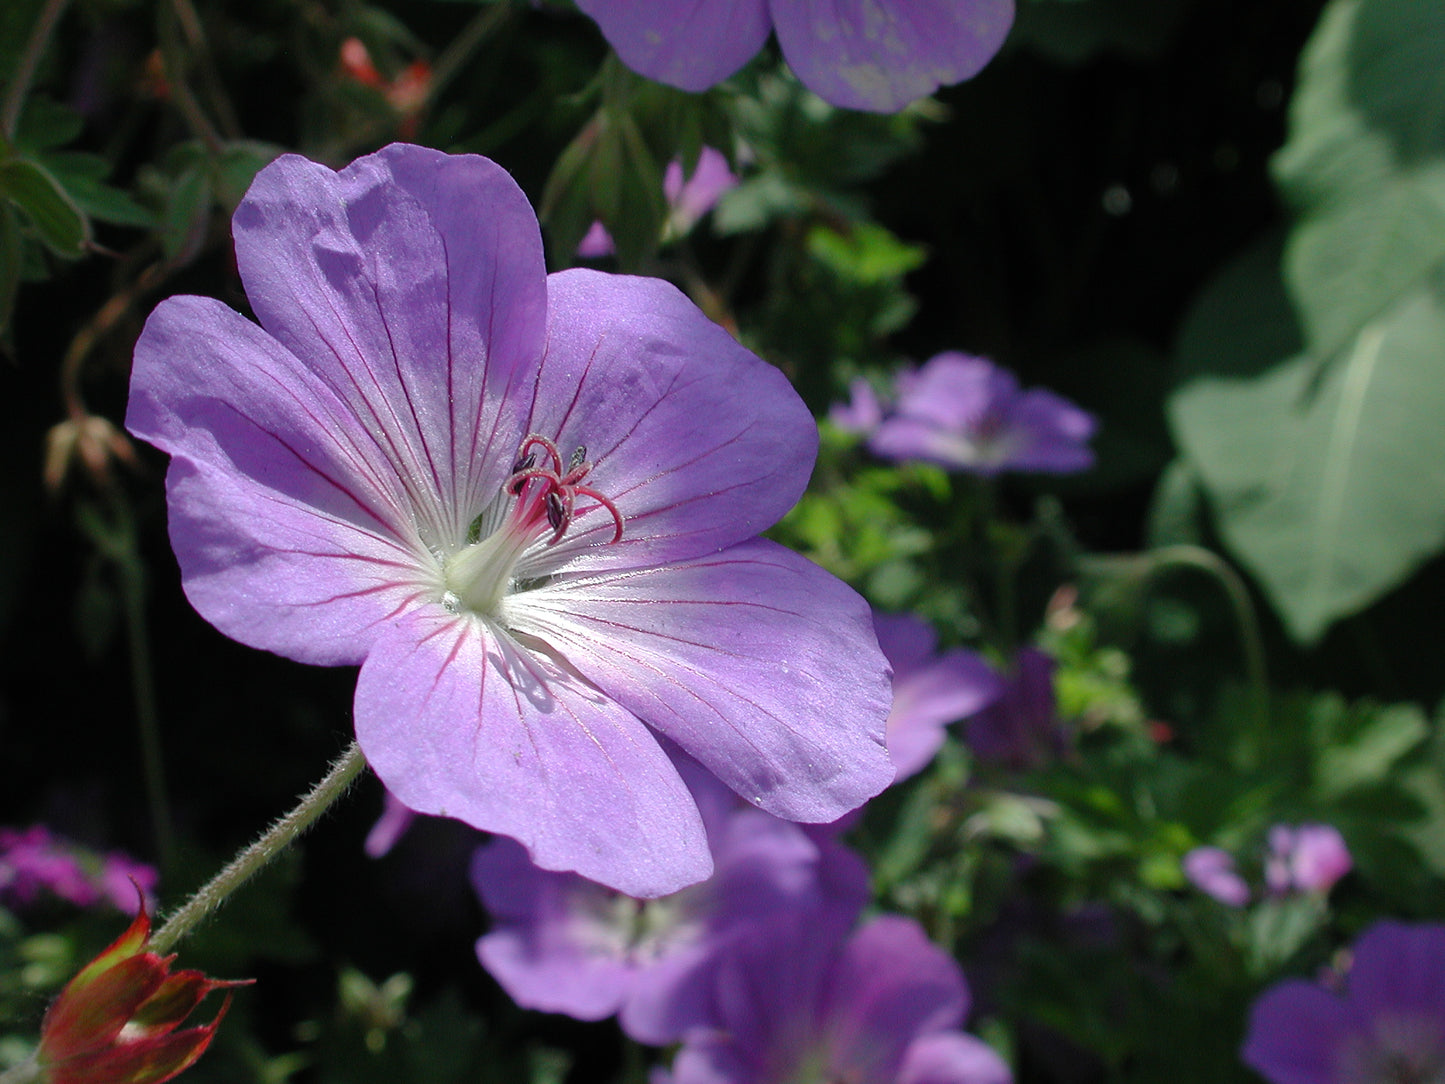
{"x":558,"y":494}
{"x":483,"y":573}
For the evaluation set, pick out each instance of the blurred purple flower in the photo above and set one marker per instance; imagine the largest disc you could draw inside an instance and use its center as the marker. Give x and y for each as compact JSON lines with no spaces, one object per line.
{"x":395,"y":819}
{"x":692,"y":197}
{"x":35,"y":863}
{"x":687,"y":201}
{"x":798,"y":1001}
{"x":1212,"y":871}
{"x":1020,"y":729}
{"x":526,"y":505}
{"x":1306,"y":859}
{"x":929,"y":690}
{"x":560,"y":943}
{"x":596,"y":242}
{"x":1309,"y":858}
{"x":862,"y":413}
{"x":965,"y":413}
{"x":1387,"y":1026}
{"x":877,"y":55}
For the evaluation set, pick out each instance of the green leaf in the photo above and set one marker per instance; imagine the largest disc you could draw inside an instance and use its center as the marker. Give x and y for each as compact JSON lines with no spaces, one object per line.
{"x":83,"y":177}
{"x":1365,"y":165}
{"x":187,"y":215}
{"x":1326,"y":482}
{"x":866,"y":253}
{"x":1369,"y":751}
{"x":47,"y":205}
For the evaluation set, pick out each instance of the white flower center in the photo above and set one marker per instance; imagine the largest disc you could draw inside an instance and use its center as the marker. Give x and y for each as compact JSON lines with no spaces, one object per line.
{"x":533,"y":510}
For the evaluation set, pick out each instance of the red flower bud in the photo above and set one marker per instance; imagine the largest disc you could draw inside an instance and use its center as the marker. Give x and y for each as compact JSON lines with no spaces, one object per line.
{"x":116,"y":1021}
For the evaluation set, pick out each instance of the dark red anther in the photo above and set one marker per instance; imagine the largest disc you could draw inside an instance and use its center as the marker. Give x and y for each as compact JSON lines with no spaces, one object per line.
{"x":556,"y":512}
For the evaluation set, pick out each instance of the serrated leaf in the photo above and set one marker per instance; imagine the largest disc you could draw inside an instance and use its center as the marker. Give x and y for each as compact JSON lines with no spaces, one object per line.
{"x":47,"y":205}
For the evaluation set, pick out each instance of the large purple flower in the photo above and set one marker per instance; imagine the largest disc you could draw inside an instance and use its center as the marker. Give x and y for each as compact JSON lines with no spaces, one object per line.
{"x":1387,"y":1025}
{"x":863,"y":54}
{"x":966,"y":414}
{"x":527,"y":505}
{"x":560,"y":943}
{"x":796,"y":1002}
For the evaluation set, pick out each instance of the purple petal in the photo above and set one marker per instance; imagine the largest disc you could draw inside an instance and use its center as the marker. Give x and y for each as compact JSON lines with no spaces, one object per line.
{"x":882,"y":54}
{"x":1400,"y":968}
{"x":551,"y":947}
{"x":1310,"y":858}
{"x":756,"y":662}
{"x":765,"y":867}
{"x":690,"y":44}
{"x":891,"y":985}
{"x":1020,"y":729}
{"x":597,"y":242}
{"x":1295,"y":1032}
{"x":862,"y":413}
{"x":291,"y":527}
{"x":928,"y":692}
{"x":700,"y":443}
{"x":694,"y":197}
{"x":423,"y":315}
{"x":1211,"y":870}
{"x":1055,"y":433}
{"x":907,"y":641}
{"x":395,"y":819}
{"x":459,"y":721}
{"x":951,"y":1057}
{"x":965,"y":413}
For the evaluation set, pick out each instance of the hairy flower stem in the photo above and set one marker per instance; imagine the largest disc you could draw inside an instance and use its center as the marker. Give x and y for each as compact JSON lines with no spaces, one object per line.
{"x":277,"y":838}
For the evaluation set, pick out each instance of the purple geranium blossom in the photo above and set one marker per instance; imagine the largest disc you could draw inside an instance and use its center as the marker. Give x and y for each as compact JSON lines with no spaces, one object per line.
{"x":1020,"y":729}
{"x":687,"y":201}
{"x":929,"y":690}
{"x":560,"y":943}
{"x":965,"y":413}
{"x":797,"y":1002}
{"x":35,"y":863}
{"x":862,"y":414}
{"x":1308,"y":858}
{"x":1212,"y":871}
{"x":862,"y":54}
{"x":1387,"y":1025}
{"x":526,"y":505}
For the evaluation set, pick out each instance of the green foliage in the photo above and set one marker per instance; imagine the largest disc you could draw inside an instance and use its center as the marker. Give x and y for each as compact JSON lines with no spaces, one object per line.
{"x":1308,"y":437}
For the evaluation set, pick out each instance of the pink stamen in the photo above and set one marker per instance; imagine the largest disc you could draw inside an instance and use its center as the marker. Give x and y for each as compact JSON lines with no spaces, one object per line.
{"x":556,"y":499}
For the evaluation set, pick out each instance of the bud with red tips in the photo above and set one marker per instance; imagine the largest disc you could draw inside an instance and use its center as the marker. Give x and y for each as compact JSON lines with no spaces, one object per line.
{"x":115,"y":1022}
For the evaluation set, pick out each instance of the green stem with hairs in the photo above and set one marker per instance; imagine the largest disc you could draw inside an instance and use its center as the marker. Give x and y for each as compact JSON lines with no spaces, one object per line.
{"x":255,"y":857}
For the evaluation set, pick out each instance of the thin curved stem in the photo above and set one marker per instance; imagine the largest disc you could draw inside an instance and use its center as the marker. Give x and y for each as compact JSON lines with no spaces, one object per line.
{"x":276,"y":839}
{"x":29,"y":62}
{"x":1251,"y":643}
